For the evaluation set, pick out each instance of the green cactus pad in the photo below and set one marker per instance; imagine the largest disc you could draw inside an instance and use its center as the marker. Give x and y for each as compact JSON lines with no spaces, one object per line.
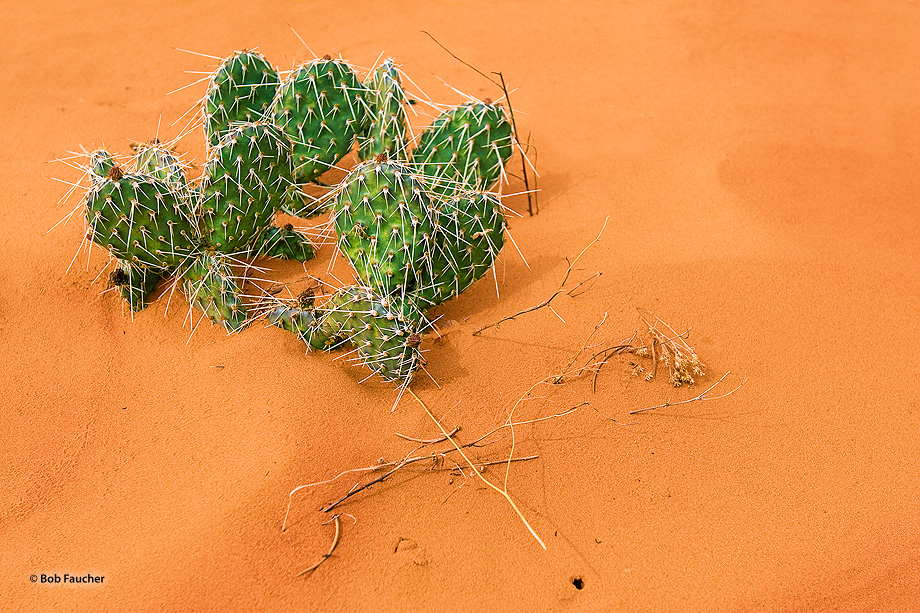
{"x":387,"y":130}
{"x":100,"y":163}
{"x":286,"y":243}
{"x":297,"y":316}
{"x":385,"y":330}
{"x":138,"y":218}
{"x":241,"y":89}
{"x":321,"y":106}
{"x":470,"y":234}
{"x":466,"y":147}
{"x":211,"y":287}
{"x":135,"y":283}
{"x":243,"y":184}
{"x":152,"y":158}
{"x":383,"y":224}
{"x":298,"y":204}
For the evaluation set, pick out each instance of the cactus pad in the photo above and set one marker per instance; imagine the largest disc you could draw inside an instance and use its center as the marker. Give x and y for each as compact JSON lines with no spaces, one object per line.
{"x":466,"y":147}
{"x":470,"y":233}
{"x":382,"y":220}
{"x":321,"y":106}
{"x":135,"y":283}
{"x":286,"y":243}
{"x":210,"y":286}
{"x":386,"y":132}
{"x":152,"y":158}
{"x":244,"y":182}
{"x":241,"y":89}
{"x":138,"y":218}
{"x":385,"y":330}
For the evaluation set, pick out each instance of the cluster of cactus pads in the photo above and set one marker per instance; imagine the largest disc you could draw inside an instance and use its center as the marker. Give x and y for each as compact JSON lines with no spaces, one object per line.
{"x":415,"y":218}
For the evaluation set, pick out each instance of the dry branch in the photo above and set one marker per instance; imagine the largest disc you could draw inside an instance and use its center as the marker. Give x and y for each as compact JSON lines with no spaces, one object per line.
{"x":335,"y":543}
{"x":565,"y":279}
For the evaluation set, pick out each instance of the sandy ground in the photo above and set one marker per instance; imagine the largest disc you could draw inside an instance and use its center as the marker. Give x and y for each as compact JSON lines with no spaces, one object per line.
{"x":759,"y":169}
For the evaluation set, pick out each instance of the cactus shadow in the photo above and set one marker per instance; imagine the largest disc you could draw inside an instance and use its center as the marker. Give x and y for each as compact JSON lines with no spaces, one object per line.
{"x":545,"y":189}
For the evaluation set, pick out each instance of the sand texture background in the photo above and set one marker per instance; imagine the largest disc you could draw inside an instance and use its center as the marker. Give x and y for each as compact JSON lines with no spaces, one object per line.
{"x":758,"y":163}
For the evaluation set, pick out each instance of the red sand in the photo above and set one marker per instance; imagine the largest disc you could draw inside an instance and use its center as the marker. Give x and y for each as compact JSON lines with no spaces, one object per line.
{"x":759,"y":167}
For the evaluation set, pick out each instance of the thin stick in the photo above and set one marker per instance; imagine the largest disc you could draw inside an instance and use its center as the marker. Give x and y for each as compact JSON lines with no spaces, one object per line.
{"x":578,"y":353}
{"x":561,"y":289}
{"x":465,"y":63}
{"x":479,"y":473}
{"x":531,"y":209}
{"x":504,"y":88}
{"x":428,"y":442}
{"x":329,"y":507}
{"x":335,"y":543}
{"x":523,"y":423}
{"x":496,"y":462}
{"x":703,"y":396}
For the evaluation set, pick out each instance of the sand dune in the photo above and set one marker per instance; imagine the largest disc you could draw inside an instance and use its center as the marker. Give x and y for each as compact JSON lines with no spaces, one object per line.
{"x":757,"y":170}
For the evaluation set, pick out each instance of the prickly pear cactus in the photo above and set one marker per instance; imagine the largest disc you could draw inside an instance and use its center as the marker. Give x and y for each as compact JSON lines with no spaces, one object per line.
{"x":135,"y":283}
{"x":383,"y":224}
{"x":386,"y":132}
{"x":210,"y":286}
{"x":137,"y":217}
{"x":241,"y":89}
{"x":321,"y":106}
{"x":466,"y":147}
{"x":385,"y":329}
{"x":470,"y":234}
{"x":285,"y":243}
{"x":243,"y":184}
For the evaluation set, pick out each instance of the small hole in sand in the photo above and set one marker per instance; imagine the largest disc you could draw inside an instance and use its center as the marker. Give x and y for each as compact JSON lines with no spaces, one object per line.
{"x":578,"y":582}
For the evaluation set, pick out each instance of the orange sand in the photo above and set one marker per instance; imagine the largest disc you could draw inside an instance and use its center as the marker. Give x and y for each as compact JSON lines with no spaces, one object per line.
{"x":759,"y":167}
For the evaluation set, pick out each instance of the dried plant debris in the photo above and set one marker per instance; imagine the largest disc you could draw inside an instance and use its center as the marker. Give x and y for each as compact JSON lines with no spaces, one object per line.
{"x":670,"y":348}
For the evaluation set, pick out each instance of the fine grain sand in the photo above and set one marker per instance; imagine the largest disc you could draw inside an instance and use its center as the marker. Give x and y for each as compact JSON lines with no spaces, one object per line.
{"x":758,"y":163}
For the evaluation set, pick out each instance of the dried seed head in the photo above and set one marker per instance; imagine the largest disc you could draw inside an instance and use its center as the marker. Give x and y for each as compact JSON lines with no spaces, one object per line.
{"x":306,"y":298}
{"x":118,"y":277}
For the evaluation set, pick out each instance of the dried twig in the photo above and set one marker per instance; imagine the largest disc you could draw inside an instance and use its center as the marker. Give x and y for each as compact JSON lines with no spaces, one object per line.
{"x":532,"y":206}
{"x":401,"y":464}
{"x":561,"y":289}
{"x":559,"y":378}
{"x":704,"y":396}
{"x":431,"y":441}
{"x":478,"y":472}
{"x":335,"y":543}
